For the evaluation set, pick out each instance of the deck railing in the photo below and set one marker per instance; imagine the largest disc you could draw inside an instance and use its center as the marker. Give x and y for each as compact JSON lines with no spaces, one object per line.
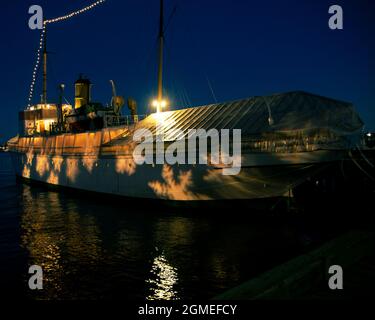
{"x":111,"y":120}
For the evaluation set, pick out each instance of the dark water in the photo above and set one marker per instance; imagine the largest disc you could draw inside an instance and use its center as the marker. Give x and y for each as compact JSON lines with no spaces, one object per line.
{"x":93,"y":249}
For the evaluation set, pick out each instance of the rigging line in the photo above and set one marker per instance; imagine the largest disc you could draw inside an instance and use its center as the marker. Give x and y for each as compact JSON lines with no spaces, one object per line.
{"x":180,"y":95}
{"x":170,"y":60}
{"x":359,"y":166}
{"x":143,"y":64}
{"x":364,"y":157}
{"x":187,"y":96}
{"x":212,"y":90}
{"x":197,"y":56}
{"x":170,"y":18}
{"x":184,"y":94}
{"x":67,"y":101}
{"x":177,"y":93}
{"x":176,"y":96}
{"x":183,"y":99}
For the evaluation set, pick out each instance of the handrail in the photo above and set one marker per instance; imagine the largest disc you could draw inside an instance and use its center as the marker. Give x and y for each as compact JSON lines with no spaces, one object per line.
{"x":111,"y":120}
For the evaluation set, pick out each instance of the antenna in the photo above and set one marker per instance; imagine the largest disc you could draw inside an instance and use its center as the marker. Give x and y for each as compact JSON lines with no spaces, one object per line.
{"x":159,"y":103}
{"x":161,"y":48}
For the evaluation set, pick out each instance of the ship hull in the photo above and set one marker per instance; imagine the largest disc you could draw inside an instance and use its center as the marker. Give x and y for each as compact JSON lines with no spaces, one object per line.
{"x":307,"y":133}
{"x":261,"y":176}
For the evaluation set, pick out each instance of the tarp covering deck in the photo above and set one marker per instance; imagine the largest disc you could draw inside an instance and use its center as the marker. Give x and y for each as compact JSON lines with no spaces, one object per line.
{"x":280,"y":113}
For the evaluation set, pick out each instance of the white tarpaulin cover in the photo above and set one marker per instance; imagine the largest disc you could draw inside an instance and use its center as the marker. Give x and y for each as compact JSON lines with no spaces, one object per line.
{"x":286,"y":113}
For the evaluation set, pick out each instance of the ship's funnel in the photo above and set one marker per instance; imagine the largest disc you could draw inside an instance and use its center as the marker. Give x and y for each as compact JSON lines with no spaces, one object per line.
{"x":132,"y":105}
{"x":82,"y":92}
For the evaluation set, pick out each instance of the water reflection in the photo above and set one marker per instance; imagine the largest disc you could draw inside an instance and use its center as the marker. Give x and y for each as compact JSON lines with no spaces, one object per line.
{"x":57,"y":238}
{"x":102,"y":250}
{"x":43,"y":248}
{"x":165,"y":277}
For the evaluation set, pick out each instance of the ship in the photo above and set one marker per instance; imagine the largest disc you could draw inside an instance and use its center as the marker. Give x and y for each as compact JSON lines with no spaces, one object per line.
{"x":286,"y":138}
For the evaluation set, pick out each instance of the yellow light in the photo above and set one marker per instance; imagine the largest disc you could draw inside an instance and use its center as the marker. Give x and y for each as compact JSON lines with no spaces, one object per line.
{"x":159,"y":104}
{"x":163,"y":103}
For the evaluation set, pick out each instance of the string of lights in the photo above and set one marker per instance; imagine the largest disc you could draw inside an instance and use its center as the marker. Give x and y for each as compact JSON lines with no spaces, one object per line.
{"x":36,"y":67}
{"x":41,"y":42}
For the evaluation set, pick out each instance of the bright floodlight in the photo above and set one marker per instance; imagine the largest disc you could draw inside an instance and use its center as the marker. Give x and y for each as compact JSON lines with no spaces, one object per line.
{"x":163,"y":103}
{"x":159,"y":104}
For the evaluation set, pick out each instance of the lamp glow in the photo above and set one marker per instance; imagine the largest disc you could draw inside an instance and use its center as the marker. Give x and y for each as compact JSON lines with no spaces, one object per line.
{"x":159,"y":105}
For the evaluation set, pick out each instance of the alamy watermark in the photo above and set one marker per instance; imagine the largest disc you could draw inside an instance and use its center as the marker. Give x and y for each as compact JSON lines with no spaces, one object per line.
{"x":36,"y":280}
{"x":336,"y":21}
{"x":336,"y":281}
{"x":224,"y":149}
{"x":36,"y":20}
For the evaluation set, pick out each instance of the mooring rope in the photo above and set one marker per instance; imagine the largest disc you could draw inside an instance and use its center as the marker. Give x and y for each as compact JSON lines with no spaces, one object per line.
{"x":364,"y":157}
{"x":359,"y":166}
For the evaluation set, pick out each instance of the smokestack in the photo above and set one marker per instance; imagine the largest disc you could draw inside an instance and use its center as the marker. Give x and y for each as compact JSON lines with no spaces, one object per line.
{"x":82,"y":92}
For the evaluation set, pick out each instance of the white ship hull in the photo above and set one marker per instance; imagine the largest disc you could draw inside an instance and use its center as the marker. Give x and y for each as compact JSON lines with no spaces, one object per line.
{"x":307,"y":133}
{"x":261,"y":175}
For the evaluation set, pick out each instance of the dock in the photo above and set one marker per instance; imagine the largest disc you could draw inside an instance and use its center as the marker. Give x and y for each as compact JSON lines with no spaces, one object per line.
{"x":306,"y":276}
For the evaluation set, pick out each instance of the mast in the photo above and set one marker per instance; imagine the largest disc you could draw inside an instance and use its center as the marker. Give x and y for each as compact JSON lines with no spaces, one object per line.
{"x":161,"y":48}
{"x":44,"y":97}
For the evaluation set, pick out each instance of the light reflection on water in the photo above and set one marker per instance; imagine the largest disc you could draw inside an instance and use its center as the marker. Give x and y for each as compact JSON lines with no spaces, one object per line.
{"x":69,"y":246}
{"x":99,"y":249}
{"x":162,"y":286}
{"x":52,"y":232}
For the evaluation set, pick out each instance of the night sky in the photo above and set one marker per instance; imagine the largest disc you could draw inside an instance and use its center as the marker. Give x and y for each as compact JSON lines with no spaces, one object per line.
{"x":242,"y":48}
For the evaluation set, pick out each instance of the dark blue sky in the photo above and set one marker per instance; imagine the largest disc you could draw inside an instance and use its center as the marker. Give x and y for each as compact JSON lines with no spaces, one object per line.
{"x":244,"y":48}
